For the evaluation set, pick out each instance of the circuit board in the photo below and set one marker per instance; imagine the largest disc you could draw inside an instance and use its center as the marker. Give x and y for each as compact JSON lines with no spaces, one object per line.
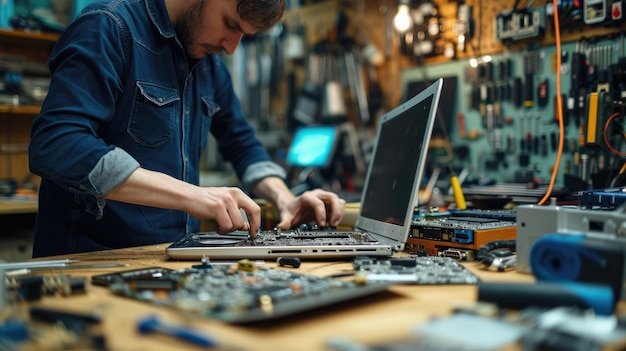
{"x":422,"y":270}
{"x":243,"y":292}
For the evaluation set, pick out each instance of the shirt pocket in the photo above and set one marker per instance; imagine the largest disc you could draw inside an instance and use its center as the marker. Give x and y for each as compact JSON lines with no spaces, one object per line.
{"x":153,"y":113}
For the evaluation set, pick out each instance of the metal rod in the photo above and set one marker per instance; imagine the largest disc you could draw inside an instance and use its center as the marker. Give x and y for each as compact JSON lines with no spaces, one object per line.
{"x":30,"y":264}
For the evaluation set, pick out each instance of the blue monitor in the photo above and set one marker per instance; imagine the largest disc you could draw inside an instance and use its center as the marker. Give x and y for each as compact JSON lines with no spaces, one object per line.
{"x":313,"y":146}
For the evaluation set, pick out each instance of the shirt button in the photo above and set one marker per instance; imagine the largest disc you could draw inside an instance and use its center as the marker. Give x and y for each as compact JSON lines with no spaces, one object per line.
{"x":187,"y":113}
{"x":160,"y":99}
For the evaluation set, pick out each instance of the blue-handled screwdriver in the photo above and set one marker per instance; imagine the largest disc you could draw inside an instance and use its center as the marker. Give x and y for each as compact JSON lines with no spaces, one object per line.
{"x":152,"y":324}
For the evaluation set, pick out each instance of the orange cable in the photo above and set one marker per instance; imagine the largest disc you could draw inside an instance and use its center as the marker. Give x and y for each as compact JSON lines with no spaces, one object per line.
{"x":606,"y":138}
{"x":559,"y":102}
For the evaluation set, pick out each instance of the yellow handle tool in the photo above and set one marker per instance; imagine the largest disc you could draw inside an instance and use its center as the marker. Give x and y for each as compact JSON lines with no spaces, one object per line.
{"x":459,"y":198}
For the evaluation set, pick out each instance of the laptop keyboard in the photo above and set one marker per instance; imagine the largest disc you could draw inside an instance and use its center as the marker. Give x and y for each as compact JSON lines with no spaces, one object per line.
{"x":306,"y":235}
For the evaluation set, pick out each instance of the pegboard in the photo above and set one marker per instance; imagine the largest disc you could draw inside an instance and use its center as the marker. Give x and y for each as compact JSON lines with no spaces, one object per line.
{"x":489,"y":153}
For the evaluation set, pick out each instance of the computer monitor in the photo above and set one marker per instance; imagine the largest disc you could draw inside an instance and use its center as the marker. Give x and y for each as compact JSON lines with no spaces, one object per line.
{"x":313,"y":146}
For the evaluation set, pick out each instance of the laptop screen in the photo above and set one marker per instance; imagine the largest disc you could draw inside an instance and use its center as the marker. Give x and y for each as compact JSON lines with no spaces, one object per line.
{"x":313,"y":146}
{"x":397,"y":164}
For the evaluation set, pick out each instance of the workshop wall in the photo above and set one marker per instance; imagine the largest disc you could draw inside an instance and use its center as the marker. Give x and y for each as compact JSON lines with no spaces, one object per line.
{"x":496,"y":146}
{"x":503,"y":125}
{"x":501,"y":119}
{"x":488,"y":115}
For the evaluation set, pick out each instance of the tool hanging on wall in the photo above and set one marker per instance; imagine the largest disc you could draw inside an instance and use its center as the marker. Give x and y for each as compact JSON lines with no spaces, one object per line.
{"x":307,"y":106}
{"x":374,"y":94}
{"x":294,"y":54}
{"x":352,"y":62}
{"x":542,"y":93}
{"x":357,"y":85}
{"x":334,"y":109}
{"x":532,"y":66}
{"x":265,"y":92}
{"x":258,"y":71}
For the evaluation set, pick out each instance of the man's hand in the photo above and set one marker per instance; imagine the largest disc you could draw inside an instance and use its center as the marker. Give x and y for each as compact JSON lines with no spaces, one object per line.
{"x":323,"y":207}
{"x":223,"y":205}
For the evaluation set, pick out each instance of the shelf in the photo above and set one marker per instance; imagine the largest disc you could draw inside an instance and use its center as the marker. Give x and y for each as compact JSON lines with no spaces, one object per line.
{"x":25,"y":38}
{"x":21,"y":38}
{"x":16,"y":207}
{"x":25,"y":110}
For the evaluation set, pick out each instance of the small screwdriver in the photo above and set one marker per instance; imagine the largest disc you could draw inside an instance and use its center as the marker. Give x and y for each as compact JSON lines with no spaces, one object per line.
{"x":152,"y":324}
{"x":457,"y":191}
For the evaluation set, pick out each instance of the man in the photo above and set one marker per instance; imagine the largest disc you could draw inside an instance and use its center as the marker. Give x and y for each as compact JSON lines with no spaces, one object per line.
{"x":136,"y":87}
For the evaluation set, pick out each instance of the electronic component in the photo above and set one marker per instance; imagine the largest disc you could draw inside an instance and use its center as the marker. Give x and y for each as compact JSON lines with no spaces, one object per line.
{"x":293,"y":262}
{"x":457,"y":254}
{"x":458,"y":231}
{"x":150,"y":273}
{"x":594,"y":11}
{"x":519,"y":24}
{"x":608,"y":199}
{"x":34,"y":287}
{"x":595,"y":227}
{"x":425,"y":247}
{"x":506,"y":215}
{"x":246,"y":266}
{"x":237,"y":294}
{"x":422,"y":270}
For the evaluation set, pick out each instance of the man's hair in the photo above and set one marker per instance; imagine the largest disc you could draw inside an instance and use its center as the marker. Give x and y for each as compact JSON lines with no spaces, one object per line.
{"x":261,"y":14}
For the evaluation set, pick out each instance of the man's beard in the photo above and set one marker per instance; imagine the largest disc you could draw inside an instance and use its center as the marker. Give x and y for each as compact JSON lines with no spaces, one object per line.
{"x":190,"y":23}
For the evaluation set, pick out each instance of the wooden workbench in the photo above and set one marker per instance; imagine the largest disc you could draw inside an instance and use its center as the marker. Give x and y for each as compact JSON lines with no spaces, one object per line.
{"x":385,"y":316}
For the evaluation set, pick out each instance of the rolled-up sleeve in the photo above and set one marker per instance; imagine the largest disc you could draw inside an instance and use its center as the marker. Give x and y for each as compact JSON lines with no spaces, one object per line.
{"x":257,"y":171}
{"x":112,"y":170}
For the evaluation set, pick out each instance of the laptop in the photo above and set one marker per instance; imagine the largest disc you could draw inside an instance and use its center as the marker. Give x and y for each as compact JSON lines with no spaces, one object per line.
{"x":389,"y":197}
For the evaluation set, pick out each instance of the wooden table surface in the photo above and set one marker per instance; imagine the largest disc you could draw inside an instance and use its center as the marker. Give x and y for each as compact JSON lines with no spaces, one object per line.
{"x":386,"y":316}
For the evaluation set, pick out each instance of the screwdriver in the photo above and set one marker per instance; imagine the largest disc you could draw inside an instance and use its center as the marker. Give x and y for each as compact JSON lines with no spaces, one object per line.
{"x":457,"y":191}
{"x":152,"y":324}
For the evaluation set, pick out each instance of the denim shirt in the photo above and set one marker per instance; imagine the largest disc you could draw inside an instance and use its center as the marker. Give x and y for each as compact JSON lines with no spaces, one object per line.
{"x":123,"y":95}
